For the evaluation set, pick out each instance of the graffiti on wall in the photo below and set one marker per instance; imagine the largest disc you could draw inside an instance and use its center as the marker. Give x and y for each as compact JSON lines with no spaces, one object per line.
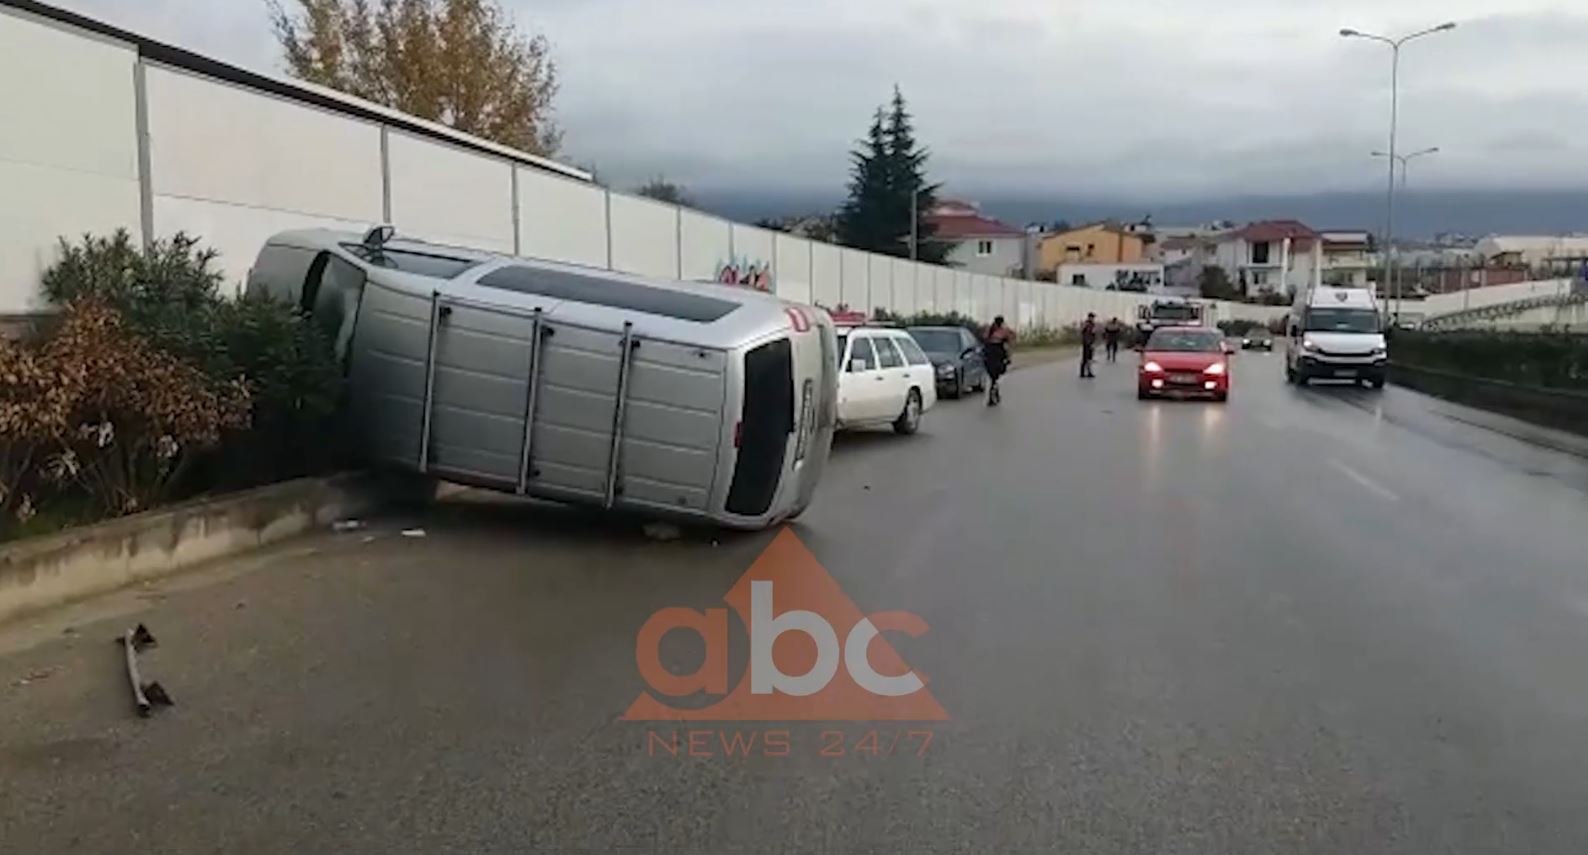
{"x":746,"y":272}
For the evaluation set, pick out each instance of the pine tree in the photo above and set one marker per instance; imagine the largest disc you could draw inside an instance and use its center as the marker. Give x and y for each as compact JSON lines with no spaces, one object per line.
{"x":862,"y":221}
{"x":887,"y":167}
{"x":907,"y":174}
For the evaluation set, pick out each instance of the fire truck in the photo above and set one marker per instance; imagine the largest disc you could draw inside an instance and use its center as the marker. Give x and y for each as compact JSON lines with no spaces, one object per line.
{"x":1172,"y":312}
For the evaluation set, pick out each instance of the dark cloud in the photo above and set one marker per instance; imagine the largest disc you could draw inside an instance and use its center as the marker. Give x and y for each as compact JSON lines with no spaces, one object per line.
{"x":1153,"y":98}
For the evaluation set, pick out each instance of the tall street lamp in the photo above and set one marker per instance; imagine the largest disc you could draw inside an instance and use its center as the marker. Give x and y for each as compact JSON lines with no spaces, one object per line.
{"x":1404,"y":160}
{"x":1395,"y":66}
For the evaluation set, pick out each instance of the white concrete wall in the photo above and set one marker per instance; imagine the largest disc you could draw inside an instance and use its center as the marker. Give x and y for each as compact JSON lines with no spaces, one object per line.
{"x":561,"y":219}
{"x":826,"y":275}
{"x":856,"y":282}
{"x":751,"y":245}
{"x":68,"y":154}
{"x":792,"y":265}
{"x":902,"y":300}
{"x":263,"y":183}
{"x":1439,"y":304}
{"x":449,"y":195}
{"x":943,"y":300}
{"x":707,"y":244}
{"x":644,"y":236}
{"x":879,"y":273}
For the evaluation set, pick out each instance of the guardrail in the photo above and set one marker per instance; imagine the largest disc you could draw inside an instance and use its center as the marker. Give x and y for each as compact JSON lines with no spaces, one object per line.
{"x":1564,"y":409}
{"x":1454,"y":320}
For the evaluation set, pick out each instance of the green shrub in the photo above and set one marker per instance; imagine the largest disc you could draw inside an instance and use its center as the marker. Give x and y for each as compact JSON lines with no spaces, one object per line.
{"x":296,"y":386}
{"x":170,"y":295}
{"x":1044,"y":336}
{"x":154,"y":285}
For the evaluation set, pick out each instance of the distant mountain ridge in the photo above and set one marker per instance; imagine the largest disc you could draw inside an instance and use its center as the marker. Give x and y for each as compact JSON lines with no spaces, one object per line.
{"x":1419,"y":214}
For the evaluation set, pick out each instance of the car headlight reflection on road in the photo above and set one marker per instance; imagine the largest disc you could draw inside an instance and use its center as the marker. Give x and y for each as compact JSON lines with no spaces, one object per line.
{"x":1215,"y":368}
{"x":1152,"y":368}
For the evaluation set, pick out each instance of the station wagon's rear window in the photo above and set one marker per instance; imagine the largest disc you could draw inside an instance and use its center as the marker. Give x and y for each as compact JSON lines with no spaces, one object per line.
{"x":421,"y":263}
{"x":616,"y":294}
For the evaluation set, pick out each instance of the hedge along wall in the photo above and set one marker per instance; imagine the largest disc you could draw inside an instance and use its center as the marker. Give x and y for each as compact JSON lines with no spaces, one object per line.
{"x":1548,"y":360}
{"x":117,"y":131}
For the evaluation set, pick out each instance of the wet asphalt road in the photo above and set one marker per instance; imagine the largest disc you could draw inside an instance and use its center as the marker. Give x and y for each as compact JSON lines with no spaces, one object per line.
{"x":1305,"y":621}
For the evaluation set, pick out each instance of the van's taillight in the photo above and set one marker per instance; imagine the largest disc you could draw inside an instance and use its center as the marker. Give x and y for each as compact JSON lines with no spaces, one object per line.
{"x":738,"y":433}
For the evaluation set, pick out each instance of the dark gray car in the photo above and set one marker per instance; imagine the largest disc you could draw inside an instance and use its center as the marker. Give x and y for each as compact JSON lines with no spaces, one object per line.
{"x":956,"y":359}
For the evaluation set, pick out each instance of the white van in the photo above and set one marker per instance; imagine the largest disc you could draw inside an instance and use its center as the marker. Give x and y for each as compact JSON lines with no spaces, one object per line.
{"x":884,"y":378}
{"x":1335,"y":334}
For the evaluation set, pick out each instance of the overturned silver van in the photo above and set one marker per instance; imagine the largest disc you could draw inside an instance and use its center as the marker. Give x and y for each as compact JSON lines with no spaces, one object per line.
{"x":570,"y":383}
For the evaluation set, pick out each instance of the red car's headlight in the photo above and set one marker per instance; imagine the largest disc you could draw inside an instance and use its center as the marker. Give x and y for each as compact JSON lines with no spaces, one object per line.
{"x":1151,"y":367}
{"x":1215,"y":368}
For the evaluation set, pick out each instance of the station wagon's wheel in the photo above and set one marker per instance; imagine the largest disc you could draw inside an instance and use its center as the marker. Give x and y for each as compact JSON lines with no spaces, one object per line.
{"x":909,"y":421}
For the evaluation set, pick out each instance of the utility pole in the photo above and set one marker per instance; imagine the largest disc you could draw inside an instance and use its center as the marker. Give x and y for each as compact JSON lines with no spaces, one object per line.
{"x":915,"y":196}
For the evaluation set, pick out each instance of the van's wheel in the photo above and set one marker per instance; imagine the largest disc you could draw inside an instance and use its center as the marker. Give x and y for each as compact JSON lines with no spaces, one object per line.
{"x":909,"y":421}
{"x":1376,"y":382}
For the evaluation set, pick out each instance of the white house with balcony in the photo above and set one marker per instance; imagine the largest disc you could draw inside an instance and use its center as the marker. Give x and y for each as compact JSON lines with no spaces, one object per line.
{"x":1270,"y":255}
{"x":977,"y":243}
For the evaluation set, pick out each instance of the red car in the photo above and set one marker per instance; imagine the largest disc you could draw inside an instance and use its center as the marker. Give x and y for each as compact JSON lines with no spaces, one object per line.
{"x":1184,"y":361}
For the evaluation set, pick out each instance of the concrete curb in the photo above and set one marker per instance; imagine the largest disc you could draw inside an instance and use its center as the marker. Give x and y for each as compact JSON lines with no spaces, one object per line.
{"x":44,"y":572}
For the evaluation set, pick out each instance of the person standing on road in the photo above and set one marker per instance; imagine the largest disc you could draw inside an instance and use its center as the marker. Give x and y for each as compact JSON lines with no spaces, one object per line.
{"x":1088,"y":344}
{"x":1111,"y":334}
{"x":995,"y":356}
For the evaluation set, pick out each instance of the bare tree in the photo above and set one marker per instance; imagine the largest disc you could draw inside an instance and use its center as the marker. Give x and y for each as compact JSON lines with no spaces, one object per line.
{"x":463,"y":63}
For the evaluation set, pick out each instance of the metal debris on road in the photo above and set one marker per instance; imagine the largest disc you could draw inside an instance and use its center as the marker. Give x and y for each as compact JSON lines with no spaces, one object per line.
{"x":145,"y":696}
{"x":662,"y":531}
{"x":413,"y":532}
{"x":34,"y":676}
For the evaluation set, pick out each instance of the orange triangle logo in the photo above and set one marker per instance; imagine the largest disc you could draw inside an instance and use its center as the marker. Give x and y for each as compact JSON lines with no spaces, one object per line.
{"x":813,"y":655}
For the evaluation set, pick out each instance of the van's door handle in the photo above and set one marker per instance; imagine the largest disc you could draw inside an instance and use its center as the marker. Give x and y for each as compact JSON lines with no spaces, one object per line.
{"x":880,"y":378}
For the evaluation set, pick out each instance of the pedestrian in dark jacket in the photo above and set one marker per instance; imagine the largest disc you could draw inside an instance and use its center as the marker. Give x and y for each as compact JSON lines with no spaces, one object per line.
{"x":1088,"y":344}
{"x":1112,"y":332}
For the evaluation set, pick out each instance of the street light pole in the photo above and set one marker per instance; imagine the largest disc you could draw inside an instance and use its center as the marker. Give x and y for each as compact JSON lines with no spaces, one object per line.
{"x":1404,"y":160}
{"x":1389,"y":204}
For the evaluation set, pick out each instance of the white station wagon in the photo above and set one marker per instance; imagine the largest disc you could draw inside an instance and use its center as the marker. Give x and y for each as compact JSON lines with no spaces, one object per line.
{"x":884,"y":378}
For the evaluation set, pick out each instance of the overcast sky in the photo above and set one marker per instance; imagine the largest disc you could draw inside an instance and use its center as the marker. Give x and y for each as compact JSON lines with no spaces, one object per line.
{"x":1147,"y":99}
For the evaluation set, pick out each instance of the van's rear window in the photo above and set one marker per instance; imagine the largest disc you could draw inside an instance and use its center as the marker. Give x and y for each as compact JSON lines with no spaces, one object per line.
{"x":421,"y":263}
{"x":617,"y":294}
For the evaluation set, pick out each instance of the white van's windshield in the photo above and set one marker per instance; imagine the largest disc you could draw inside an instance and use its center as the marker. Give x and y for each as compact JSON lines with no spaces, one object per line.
{"x":1342,"y":320}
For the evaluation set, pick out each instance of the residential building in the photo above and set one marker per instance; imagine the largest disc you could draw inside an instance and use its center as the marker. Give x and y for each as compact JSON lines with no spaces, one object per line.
{"x":1347,"y":257}
{"x":1538,"y":252}
{"x":1142,"y":277}
{"x":1098,"y":243}
{"x":1269,"y":255}
{"x":977,"y":243}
